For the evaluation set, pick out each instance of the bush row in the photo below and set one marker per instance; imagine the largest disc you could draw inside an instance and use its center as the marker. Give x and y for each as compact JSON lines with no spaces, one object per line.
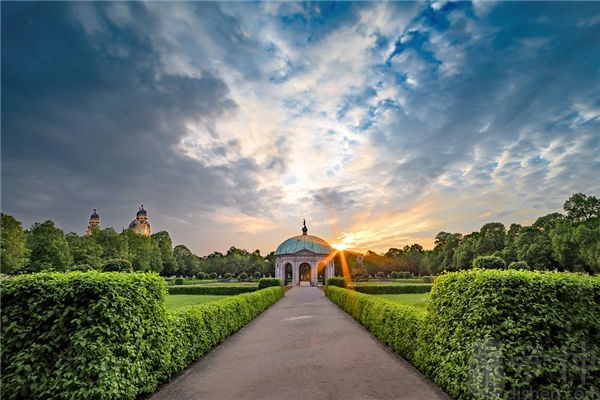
{"x":268,"y":282}
{"x":393,"y":289}
{"x":218,"y":290}
{"x":396,"y":325}
{"x":61,"y":332}
{"x":497,"y":334}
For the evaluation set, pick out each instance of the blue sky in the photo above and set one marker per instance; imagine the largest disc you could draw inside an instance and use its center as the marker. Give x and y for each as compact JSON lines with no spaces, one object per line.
{"x":380,"y":123}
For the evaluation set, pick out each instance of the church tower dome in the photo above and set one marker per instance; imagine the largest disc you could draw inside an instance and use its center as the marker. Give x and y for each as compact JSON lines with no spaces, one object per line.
{"x":140,"y":224}
{"x":94,"y":223}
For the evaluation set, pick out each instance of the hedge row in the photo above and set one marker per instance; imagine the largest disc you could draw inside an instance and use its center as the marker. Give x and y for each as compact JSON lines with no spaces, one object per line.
{"x":396,"y":325}
{"x":490,"y":334}
{"x":105,"y":335}
{"x":217,"y":290}
{"x":268,"y":282}
{"x":393,"y":289}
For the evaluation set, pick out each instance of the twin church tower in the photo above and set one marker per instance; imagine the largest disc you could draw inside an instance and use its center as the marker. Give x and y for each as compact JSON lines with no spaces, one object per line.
{"x":139,"y":225}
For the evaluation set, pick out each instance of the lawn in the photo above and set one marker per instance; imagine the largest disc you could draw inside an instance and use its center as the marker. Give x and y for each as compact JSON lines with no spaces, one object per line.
{"x":175,"y":301}
{"x":410,"y":299}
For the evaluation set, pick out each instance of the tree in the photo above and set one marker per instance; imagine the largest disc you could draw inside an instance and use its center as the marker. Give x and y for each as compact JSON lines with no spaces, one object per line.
{"x":49,"y":248}
{"x":535,"y":248}
{"x":582,"y":208}
{"x":165,"y":245}
{"x":491,"y":239}
{"x":114,"y":246}
{"x":489,"y":262}
{"x":85,"y":250}
{"x":140,"y":250}
{"x":588,"y":239}
{"x":188,"y":262}
{"x":14,"y":254}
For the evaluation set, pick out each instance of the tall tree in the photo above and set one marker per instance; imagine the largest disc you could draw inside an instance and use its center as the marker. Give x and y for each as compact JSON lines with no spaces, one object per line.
{"x":491,"y":239}
{"x":14,"y":254}
{"x":189,"y":264}
{"x":85,"y":250}
{"x":114,"y":246}
{"x":140,"y":250}
{"x":581,"y":208}
{"x":169,"y":263}
{"x":49,"y":248}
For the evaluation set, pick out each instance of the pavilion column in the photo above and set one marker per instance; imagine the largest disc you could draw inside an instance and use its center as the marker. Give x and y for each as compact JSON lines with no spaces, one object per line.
{"x":296,"y":273}
{"x":313,"y":274}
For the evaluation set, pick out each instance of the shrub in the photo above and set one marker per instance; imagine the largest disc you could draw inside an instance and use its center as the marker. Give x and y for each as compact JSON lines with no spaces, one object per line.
{"x":179,"y":281}
{"x":267,"y":282}
{"x":394,"y":275}
{"x":216,"y":290}
{"x":201,"y":275}
{"x":243,"y":276}
{"x":396,"y":325}
{"x":169,"y":281}
{"x":117,"y":265}
{"x":404,"y":275}
{"x":428,"y":279}
{"x":336,"y":281}
{"x":489,"y":262}
{"x":380,"y":275}
{"x":519,"y":265}
{"x":393,"y":289}
{"x":227,"y":275}
{"x":83,"y":335}
{"x":212,"y":275}
{"x":257,"y":275}
{"x":511,"y":334}
{"x":365,"y":277}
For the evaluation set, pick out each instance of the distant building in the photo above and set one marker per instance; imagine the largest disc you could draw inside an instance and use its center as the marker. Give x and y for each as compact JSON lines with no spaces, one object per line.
{"x":94,"y":223}
{"x":140,"y":224}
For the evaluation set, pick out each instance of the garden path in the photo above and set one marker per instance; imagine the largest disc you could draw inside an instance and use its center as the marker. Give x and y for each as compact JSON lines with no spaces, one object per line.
{"x":302,"y":347}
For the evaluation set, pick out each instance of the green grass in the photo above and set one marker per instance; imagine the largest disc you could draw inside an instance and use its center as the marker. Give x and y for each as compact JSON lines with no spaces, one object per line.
{"x":175,"y":301}
{"x":410,"y":299}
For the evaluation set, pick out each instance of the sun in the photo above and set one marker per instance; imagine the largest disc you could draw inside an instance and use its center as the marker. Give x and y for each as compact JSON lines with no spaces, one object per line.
{"x":340,"y":246}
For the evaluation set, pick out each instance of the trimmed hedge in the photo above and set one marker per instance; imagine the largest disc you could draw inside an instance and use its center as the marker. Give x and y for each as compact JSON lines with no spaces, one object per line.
{"x":216,"y":290}
{"x":393,"y":289}
{"x":268,"y":282}
{"x":83,"y":335}
{"x":514,"y":334}
{"x":336,"y":281}
{"x":396,"y":325}
{"x":492,"y":334}
{"x":106,"y":335}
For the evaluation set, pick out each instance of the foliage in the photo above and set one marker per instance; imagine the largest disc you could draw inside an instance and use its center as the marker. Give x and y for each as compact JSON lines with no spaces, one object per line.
{"x":165,"y":245}
{"x":242,"y":277}
{"x":202,"y":275}
{"x":117,"y":265}
{"x":257,"y":275}
{"x":212,"y":275}
{"x":392,"y":289}
{"x":63,"y":331}
{"x":518,"y":265}
{"x":428,"y":279}
{"x":396,"y":325}
{"x":14,"y":253}
{"x":394,"y":275}
{"x":218,"y":290}
{"x":491,"y":334}
{"x":85,"y":250}
{"x":49,"y":248}
{"x":267,"y":282}
{"x":489,"y":262}
{"x":380,"y":275}
{"x":179,"y":281}
{"x":336,"y":281}
{"x":187,"y":261}
{"x":113,"y":245}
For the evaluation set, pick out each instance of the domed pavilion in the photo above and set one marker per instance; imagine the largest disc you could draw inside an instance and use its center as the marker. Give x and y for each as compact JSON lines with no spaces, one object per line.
{"x":302,"y":258}
{"x":140,"y":224}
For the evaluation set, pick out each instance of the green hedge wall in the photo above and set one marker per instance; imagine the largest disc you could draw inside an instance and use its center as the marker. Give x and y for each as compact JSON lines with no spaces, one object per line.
{"x":336,"y":281}
{"x":396,"y":325}
{"x":393,"y":289}
{"x":217,"y":290}
{"x":490,"y":334}
{"x":267,"y":282}
{"x":106,"y":335}
{"x":82,"y":335}
{"x":514,"y":334}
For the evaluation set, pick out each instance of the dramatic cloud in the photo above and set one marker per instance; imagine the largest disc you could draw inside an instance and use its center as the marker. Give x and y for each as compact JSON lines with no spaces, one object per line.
{"x":380,"y":123}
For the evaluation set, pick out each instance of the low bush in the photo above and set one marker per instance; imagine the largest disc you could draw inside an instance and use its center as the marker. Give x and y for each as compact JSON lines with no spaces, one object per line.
{"x":106,"y":335}
{"x":394,"y":275}
{"x":380,"y":275}
{"x":257,"y":275}
{"x":511,"y":334}
{"x":396,"y":325}
{"x":336,"y":281}
{"x":179,"y":281}
{"x":519,"y":265}
{"x":393,"y":289}
{"x":404,"y":275}
{"x":427,"y":279}
{"x":212,"y":275}
{"x":242,"y":277}
{"x":117,"y":265}
{"x":201,"y":276}
{"x":489,"y":262}
{"x":217,"y":290}
{"x":268,"y":282}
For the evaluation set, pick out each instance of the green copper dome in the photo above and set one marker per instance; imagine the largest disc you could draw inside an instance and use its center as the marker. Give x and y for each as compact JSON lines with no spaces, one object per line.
{"x":303,"y":242}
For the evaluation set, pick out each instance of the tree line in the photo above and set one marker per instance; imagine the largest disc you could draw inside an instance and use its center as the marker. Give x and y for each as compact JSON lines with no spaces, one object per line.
{"x":45,"y":247}
{"x":568,"y":241}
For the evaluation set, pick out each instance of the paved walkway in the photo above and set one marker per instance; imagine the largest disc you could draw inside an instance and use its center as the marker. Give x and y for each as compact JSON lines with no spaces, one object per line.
{"x":303,"y":347}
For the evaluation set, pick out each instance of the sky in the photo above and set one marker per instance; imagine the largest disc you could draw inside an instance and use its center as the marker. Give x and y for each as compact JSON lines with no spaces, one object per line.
{"x":380,"y":123}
